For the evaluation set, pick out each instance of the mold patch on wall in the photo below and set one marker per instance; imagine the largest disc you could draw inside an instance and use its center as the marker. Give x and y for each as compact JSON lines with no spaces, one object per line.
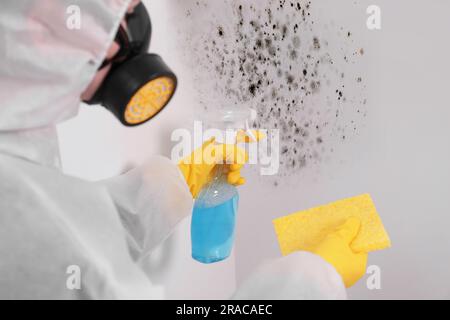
{"x":294,"y":66}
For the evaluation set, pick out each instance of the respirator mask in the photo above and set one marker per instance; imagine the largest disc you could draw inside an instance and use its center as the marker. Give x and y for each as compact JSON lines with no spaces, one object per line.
{"x":139,"y":85}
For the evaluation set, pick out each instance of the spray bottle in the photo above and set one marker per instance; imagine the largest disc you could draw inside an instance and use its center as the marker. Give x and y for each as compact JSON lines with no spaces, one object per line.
{"x":215,"y":209}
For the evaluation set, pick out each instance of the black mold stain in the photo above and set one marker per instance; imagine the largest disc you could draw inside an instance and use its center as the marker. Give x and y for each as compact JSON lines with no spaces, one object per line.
{"x":272,"y":58}
{"x":220,"y":31}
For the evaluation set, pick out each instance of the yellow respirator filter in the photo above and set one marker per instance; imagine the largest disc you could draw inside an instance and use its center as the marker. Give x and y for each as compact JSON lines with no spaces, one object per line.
{"x":149,"y":100}
{"x":303,"y":231}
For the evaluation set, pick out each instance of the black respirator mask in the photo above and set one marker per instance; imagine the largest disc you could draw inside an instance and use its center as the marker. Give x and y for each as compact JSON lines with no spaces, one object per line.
{"x":139,"y":85}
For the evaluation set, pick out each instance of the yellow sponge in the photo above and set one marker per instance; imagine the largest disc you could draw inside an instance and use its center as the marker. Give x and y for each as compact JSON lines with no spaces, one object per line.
{"x":302,"y":231}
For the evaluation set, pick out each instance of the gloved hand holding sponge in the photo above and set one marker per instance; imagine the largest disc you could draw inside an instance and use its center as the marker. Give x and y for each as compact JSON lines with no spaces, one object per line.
{"x":336,"y":250}
{"x":342,"y":233}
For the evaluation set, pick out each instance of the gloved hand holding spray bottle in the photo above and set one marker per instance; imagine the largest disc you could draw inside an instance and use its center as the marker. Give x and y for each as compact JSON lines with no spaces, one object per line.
{"x":216,"y":204}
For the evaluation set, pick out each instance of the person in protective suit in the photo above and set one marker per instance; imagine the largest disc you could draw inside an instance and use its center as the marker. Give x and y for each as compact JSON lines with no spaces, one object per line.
{"x":50,"y":222}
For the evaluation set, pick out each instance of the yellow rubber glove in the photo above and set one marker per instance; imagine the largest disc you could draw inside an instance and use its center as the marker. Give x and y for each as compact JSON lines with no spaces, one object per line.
{"x":336,"y":250}
{"x":198,"y":168}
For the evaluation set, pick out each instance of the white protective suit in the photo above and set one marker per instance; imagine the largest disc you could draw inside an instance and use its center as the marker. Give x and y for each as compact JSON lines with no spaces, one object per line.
{"x":50,"y":222}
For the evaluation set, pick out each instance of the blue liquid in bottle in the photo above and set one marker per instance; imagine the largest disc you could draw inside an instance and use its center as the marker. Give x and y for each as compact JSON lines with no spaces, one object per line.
{"x":213,"y":222}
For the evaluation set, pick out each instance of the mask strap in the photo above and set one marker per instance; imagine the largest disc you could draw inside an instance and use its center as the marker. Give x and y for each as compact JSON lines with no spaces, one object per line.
{"x":125,"y":48}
